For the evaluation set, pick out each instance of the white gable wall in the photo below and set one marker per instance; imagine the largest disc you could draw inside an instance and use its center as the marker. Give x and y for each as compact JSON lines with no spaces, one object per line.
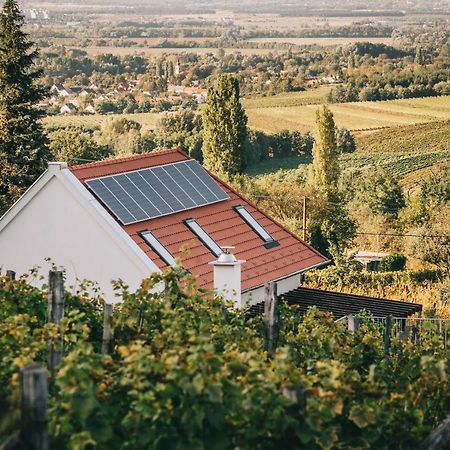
{"x":65,"y":224}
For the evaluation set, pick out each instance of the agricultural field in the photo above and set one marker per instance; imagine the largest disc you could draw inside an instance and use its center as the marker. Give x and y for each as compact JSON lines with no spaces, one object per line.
{"x":354,"y":116}
{"x":156,"y":51}
{"x":326,"y":42}
{"x":310,"y":97}
{"x":407,"y":152}
{"x":147,"y":120}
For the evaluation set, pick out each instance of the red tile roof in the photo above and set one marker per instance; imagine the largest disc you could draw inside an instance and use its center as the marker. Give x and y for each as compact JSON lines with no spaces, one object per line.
{"x":220,"y":221}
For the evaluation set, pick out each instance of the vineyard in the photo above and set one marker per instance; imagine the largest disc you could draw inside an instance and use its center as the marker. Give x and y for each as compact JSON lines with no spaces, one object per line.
{"x":185,"y":371}
{"x":354,"y":116}
{"x":296,"y":111}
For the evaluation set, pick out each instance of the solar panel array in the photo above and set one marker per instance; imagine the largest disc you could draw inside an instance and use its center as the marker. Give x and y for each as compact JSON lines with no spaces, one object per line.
{"x":157,"y":191}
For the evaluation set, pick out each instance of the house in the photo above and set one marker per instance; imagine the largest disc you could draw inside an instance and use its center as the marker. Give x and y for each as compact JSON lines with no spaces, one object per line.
{"x":370,"y":260}
{"x":127,"y":218}
{"x":60,"y":90}
{"x":90,"y":109}
{"x":68,"y":108}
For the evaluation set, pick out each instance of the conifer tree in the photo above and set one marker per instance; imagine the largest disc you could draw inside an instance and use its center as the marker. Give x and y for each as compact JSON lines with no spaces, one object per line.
{"x":325,"y":168}
{"x":23,"y":145}
{"x":224,"y":129}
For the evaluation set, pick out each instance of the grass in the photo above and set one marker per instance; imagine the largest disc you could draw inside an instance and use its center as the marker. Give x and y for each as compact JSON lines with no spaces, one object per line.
{"x":354,"y":116}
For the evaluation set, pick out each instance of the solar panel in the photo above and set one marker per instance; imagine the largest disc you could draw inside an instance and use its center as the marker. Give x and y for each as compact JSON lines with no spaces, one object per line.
{"x":157,"y":191}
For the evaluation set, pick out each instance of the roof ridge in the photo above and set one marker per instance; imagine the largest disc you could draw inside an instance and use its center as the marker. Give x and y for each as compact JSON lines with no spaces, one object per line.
{"x":107,"y":162}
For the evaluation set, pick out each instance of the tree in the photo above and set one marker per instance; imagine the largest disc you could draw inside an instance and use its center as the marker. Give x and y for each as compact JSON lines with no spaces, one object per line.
{"x":76,"y":146}
{"x":345,"y":141}
{"x":224,"y":129}
{"x":23,"y":146}
{"x":325,"y":168}
{"x":331,"y":229}
{"x":382,"y":193}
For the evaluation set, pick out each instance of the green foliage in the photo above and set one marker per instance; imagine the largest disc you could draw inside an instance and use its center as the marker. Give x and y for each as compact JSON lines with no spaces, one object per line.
{"x":325,"y":167}
{"x":224,"y":129}
{"x":23,"y":152}
{"x":393,"y":263}
{"x":186,"y":371}
{"x":345,"y":141}
{"x":382,"y":193}
{"x":75,"y":146}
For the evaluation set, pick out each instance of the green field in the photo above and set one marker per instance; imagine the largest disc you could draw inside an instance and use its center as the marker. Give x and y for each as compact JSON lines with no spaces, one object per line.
{"x":407,"y":152}
{"x":354,"y":116}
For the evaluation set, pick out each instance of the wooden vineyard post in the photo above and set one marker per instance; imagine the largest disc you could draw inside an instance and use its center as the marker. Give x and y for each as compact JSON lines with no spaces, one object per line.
{"x":33,"y":404}
{"x":271,"y":318}
{"x":55,"y":313}
{"x":107,"y":328}
{"x":352,"y":323}
{"x":439,"y":438}
{"x":10,"y":275}
{"x":387,"y":334}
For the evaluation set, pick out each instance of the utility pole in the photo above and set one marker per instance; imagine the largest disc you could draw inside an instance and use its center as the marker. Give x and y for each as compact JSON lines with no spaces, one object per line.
{"x":304,"y":216}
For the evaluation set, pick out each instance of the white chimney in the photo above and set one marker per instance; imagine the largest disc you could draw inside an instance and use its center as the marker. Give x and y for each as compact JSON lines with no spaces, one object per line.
{"x":227,"y":277}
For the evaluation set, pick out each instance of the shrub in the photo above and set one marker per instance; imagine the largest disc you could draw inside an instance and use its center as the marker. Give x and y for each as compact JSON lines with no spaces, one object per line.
{"x":393,"y":263}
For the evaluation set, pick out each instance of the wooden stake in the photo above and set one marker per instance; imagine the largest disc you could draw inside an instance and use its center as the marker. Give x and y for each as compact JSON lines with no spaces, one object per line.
{"x":55,"y":313}
{"x":271,"y":318}
{"x":353,"y":322}
{"x":439,"y":438}
{"x":33,"y":402}
{"x":10,"y":275}
{"x":387,"y":334}
{"x":304,"y":217}
{"x":107,"y":328}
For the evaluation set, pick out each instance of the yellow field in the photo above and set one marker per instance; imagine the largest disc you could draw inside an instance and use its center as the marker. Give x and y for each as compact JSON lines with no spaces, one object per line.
{"x":268,"y":113}
{"x":325,"y":41}
{"x":151,"y":51}
{"x":147,"y":120}
{"x":354,"y":116}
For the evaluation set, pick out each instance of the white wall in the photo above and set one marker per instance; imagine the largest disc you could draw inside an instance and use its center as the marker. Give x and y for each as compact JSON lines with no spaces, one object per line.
{"x":257,"y":295}
{"x":56,"y":224}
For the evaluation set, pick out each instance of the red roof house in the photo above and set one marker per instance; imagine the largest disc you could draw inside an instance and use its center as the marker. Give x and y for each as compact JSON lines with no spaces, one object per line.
{"x":128,"y":217}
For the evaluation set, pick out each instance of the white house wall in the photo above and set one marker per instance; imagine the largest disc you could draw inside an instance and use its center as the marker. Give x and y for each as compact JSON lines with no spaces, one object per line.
{"x":254,"y":296}
{"x":55,"y":224}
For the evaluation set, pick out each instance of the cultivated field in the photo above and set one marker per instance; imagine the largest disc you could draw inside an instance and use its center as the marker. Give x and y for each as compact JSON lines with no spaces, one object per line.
{"x":325,"y":41}
{"x":147,"y":120}
{"x":408,"y":152}
{"x":354,"y":116}
{"x":155,"y":51}
{"x":310,"y":97}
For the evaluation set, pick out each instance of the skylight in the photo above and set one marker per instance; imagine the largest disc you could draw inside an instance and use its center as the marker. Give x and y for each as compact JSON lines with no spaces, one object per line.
{"x":257,"y":228}
{"x":162,"y":252}
{"x":203,"y":236}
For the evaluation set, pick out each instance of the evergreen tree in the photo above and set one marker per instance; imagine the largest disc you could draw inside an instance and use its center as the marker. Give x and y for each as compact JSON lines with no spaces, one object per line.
{"x":224,"y":129}
{"x":325,"y":168}
{"x":23,"y":146}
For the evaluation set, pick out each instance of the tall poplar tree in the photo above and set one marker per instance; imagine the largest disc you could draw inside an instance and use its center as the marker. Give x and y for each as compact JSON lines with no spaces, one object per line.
{"x":325,"y":168}
{"x":331,"y":230}
{"x":224,"y":129}
{"x":23,"y":146}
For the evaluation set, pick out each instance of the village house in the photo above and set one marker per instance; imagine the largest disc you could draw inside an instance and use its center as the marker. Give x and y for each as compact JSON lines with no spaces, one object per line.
{"x":126,"y":218}
{"x":68,"y":108}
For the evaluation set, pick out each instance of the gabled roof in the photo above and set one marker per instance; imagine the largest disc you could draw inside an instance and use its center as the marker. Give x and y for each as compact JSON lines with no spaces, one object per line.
{"x":342,"y":304}
{"x":220,"y":221}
